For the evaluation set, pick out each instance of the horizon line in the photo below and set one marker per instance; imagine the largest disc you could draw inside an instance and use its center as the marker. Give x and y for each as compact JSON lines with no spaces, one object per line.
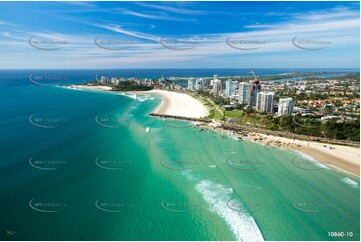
{"x":186,"y":68}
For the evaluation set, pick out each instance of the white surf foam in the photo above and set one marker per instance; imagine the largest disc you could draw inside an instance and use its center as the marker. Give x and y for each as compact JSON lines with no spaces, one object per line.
{"x":142,"y":98}
{"x":243,"y":225}
{"x":350,"y":182}
{"x":131,"y":95}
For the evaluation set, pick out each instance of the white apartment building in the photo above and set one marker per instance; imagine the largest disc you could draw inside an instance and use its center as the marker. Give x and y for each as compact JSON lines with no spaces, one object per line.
{"x":230,"y":88}
{"x":285,"y":106}
{"x":115,"y":81}
{"x":103,"y":79}
{"x":215,"y":77}
{"x":191,"y":84}
{"x":243,"y":93}
{"x":200,"y":84}
{"x":265,"y":102}
{"x":217,"y":86}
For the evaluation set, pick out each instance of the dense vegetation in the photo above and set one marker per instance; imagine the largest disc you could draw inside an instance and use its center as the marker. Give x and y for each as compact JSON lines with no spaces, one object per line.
{"x":332,"y":129}
{"x":131,"y":86}
{"x":215,"y":98}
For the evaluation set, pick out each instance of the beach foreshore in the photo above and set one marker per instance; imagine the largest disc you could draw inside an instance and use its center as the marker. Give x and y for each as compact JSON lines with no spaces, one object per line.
{"x":94,"y":88}
{"x":342,"y":157}
{"x":173,"y":103}
{"x":180,"y":104}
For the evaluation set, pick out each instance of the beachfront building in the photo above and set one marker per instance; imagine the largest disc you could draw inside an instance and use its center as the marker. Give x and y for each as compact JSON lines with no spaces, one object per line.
{"x":215,"y":78}
{"x":200,"y":84}
{"x":285,"y":106}
{"x":230,"y":88}
{"x":255,"y":88}
{"x":115,"y":81}
{"x":265,"y":102}
{"x":243,"y":93}
{"x":191,"y":84}
{"x":103,"y":79}
{"x":217,"y":86}
{"x":236,"y":85}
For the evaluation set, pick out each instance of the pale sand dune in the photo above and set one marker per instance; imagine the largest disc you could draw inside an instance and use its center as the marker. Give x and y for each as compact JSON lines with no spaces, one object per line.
{"x":179,"y":104}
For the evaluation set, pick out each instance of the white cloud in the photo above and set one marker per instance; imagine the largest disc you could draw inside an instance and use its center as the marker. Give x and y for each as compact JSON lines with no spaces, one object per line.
{"x":338,"y":27}
{"x":172,"y":9}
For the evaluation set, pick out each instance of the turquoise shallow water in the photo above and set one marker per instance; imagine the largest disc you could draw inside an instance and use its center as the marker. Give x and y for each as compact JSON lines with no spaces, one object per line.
{"x":79,"y":165}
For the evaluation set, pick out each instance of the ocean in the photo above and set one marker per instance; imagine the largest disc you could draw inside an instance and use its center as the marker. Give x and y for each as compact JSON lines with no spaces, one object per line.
{"x":91,"y":165}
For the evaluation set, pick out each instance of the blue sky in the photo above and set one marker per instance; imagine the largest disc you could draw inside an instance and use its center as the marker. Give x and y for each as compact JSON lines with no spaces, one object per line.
{"x":197,"y":34}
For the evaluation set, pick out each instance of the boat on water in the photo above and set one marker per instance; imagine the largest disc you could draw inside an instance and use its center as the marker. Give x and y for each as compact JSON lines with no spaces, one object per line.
{"x":147,"y":129}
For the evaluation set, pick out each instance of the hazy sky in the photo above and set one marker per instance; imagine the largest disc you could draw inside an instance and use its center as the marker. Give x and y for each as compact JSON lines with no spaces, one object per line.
{"x":100,"y":35}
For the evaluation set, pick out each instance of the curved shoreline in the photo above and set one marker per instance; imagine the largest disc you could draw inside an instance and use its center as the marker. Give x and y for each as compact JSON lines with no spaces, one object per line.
{"x":178,"y":104}
{"x":343,"y":158}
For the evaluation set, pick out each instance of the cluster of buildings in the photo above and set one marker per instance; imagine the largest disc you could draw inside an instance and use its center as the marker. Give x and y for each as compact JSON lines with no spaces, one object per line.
{"x":117,"y":80}
{"x":197,"y":84}
{"x":339,"y":95}
{"x":330,"y":98}
{"x":246,"y":93}
{"x":110,"y":80}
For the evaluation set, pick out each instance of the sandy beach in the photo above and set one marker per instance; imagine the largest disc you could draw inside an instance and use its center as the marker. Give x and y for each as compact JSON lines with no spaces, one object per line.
{"x":179,"y":104}
{"x":94,"y":88}
{"x":343,"y":157}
